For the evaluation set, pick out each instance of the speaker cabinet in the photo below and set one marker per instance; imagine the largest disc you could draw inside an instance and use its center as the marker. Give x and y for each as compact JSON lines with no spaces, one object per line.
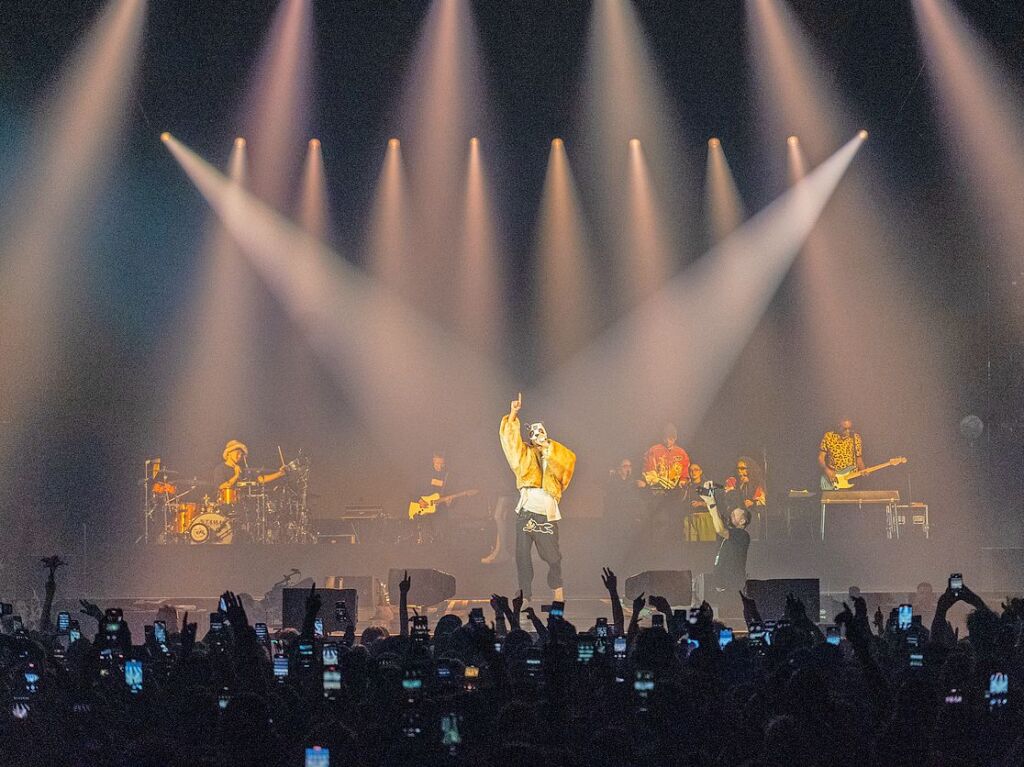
{"x":429,"y":587}
{"x":675,"y":585}
{"x":771,"y":595}
{"x":293,"y":607}
{"x":371,"y":590}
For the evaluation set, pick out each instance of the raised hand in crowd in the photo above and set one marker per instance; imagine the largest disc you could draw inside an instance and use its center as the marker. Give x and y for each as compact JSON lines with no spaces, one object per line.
{"x":751,"y":614}
{"x":611,"y":585}
{"x":403,"y":604}
{"x":51,"y":564}
{"x":502,"y":614}
{"x":538,"y":625}
{"x":313,"y":604}
{"x":517,"y":609}
{"x":796,"y":614}
{"x":234,"y":611}
{"x":92,"y":610}
{"x":660,"y":604}
{"x":187,"y":637}
{"x":634,"y":619}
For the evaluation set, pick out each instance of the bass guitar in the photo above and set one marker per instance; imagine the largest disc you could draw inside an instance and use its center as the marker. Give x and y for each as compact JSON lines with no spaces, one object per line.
{"x":843,"y":476}
{"x":427,"y":504}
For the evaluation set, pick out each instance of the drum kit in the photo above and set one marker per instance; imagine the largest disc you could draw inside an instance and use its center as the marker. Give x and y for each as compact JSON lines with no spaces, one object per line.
{"x":191,"y":510}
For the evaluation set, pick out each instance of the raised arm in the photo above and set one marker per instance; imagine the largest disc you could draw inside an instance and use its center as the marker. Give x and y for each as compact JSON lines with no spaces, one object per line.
{"x":403,"y":604}
{"x":611,"y":584}
{"x":716,"y":518}
{"x":46,"y":620}
{"x":634,"y":619}
{"x":511,"y":436}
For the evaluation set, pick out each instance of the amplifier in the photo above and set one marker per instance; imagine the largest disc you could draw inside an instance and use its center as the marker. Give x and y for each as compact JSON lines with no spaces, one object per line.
{"x":362,"y":512}
{"x":355,"y":511}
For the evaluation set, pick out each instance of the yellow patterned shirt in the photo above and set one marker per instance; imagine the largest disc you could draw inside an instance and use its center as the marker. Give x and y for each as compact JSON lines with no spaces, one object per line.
{"x":841,"y":452}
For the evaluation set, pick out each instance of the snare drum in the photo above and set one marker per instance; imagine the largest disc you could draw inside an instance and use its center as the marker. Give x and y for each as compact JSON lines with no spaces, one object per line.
{"x":164,"y":488}
{"x":186,"y":513}
{"x":210,"y":528}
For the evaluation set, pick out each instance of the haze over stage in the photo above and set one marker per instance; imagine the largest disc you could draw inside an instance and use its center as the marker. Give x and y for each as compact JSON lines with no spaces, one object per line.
{"x":362,"y":233}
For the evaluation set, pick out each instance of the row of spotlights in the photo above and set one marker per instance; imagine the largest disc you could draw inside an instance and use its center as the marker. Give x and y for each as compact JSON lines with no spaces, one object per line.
{"x":633,"y":142}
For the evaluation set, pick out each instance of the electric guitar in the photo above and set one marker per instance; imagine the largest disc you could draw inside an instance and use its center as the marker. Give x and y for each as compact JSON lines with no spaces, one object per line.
{"x":843,"y":476}
{"x":427,"y":504}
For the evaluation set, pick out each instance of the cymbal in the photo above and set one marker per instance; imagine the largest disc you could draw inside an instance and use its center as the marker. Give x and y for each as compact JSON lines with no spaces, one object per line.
{"x":196,"y":483}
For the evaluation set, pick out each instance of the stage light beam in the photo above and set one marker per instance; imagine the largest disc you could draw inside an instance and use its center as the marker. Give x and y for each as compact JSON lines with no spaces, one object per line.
{"x":722,"y":199}
{"x":62,"y":174}
{"x":206,"y":385}
{"x":796,"y":163}
{"x":443,"y":104}
{"x":314,"y":206}
{"x":982,"y":104}
{"x":403,"y":374}
{"x":563,"y":253}
{"x":649,"y":260}
{"x":387,"y":247}
{"x":649,"y":355}
{"x":480,"y":296}
{"x":626,"y":106}
{"x":277,"y":109}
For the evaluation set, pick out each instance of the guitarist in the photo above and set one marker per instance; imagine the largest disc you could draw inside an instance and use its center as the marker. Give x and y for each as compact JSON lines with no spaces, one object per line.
{"x":438,"y":478}
{"x":840,"y":451}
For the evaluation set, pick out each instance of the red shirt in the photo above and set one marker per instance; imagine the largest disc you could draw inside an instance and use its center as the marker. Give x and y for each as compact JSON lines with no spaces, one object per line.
{"x":671,"y":463}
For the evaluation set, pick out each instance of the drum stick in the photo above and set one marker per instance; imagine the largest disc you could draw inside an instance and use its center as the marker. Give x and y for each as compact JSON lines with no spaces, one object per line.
{"x":280,"y":454}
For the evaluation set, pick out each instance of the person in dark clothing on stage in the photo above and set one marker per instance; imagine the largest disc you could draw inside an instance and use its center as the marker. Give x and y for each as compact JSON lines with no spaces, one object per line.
{"x":730,"y":573}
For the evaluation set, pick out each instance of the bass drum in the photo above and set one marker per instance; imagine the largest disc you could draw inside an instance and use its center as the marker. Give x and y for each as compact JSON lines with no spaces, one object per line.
{"x":210,"y":528}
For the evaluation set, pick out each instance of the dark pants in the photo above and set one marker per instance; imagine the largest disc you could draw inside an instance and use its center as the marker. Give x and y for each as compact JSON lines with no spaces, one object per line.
{"x":530,"y":529}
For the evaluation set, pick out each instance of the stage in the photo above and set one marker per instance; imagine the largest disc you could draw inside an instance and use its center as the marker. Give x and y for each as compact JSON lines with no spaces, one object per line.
{"x":174,"y":571}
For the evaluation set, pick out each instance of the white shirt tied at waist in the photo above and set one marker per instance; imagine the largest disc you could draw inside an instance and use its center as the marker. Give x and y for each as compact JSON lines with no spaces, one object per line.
{"x":537,"y":500}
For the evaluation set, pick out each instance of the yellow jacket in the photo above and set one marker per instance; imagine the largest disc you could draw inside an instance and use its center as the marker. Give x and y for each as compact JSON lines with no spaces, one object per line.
{"x":525,"y":461}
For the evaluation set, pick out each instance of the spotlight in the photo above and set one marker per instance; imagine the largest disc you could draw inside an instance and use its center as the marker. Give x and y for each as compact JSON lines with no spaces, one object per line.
{"x":165,"y":137}
{"x":474,"y":141}
{"x":714,"y":143}
{"x":863,"y":134}
{"x":556,"y":142}
{"x":634,"y":143}
{"x":393,"y":143}
{"x":314,"y":143}
{"x":239,"y":142}
{"x":792,"y":141}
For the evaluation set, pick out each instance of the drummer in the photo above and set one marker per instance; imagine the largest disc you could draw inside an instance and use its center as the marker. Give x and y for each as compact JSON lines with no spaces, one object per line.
{"x":235,"y":466}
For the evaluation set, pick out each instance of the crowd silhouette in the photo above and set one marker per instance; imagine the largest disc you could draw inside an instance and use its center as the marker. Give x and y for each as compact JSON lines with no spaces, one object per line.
{"x":517,"y":687}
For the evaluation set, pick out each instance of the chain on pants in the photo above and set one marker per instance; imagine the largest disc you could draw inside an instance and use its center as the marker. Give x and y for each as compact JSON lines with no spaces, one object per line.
{"x":535,"y":529}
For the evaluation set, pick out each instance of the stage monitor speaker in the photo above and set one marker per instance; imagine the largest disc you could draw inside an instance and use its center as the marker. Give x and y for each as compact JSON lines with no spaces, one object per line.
{"x":293,"y":607}
{"x":371,"y":590}
{"x":429,"y":587}
{"x":675,"y":585}
{"x":770,"y":596}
